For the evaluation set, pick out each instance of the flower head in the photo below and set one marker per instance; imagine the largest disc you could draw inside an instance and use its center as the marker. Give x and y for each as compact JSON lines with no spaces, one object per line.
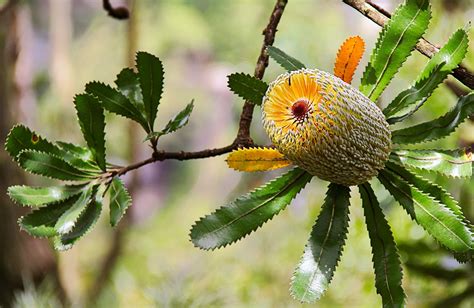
{"x":326,"y":126}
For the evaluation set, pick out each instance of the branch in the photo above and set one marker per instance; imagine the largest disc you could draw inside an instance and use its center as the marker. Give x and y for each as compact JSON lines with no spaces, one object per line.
{"x":120,"y":12}
{"x":381,"y":16}
{"x":243,"y":135}
{"x":243,"y":138}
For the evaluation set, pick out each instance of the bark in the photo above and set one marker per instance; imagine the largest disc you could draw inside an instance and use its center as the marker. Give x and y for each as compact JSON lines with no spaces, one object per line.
{"x":21,"y":256}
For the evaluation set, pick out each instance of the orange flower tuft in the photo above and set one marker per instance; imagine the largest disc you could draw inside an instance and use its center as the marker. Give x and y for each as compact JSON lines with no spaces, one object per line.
{"x":348,"y":58}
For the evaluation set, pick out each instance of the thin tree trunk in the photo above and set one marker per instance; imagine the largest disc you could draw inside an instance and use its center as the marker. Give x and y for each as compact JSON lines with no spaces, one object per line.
{"x":21,"y":256}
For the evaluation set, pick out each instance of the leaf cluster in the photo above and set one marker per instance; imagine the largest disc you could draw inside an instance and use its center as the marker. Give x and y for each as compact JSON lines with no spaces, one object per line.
{"x":67,"y":212}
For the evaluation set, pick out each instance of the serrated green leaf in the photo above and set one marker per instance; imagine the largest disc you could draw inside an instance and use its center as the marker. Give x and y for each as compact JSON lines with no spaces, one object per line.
{"x":244,"y":215}
{"x":179,"y":120}
{"x":67,"y":221}
{"x":385,"y":258}
{"x":434,"y":217}
{"x":120,"y":200}
{"x":287,"y":62}
{"x":51,"y":166}
{"x":92,"y":122}
{"x":41,"y":196}
{"x":80,"y":157}
{"x":438,"y":128}
{"x":114,"y":101}
{"x":323,"y":251}
{"x":395,"y":43}
{"x":128,"y":84}
{"x":435,"y":71}
{"x":247,"y":87}
{"x":83,"y":225}
{"x":435,"y":191}
{"x":41,"y":222}
{"x":150,"y":75}
{"x":452,"y":163}
{"x":21,"y":138}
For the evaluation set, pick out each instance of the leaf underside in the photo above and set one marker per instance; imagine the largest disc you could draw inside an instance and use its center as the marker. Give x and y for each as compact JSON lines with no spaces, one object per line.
{"x":348,"y":58}
{"x":323,"y":251}
{"x":436,"y":218}
{"x":41,"y":196}
{"x":244,"y":215}
{"x":395,"y":43}
{"x":82,"y":226}
{"x":256,"y":159}
{"x":247,"y":87}
{"x":120,"y":200}
{"x":435,"y":71}
{"x":438,"y":128}
{"x":41,"y":222}
{"x":451,"y":163}
{"x":287,"y":62}
{"x":68,"y":220}
{"x":385,"y":258}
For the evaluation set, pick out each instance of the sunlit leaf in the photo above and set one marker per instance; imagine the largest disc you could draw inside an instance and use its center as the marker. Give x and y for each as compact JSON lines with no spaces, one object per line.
{"x":437,"y":219}
{"x":256,"y":159}
{"x":385,"y":258}
{"x":435,"y":191}
{"x":438,"y":128}
{"x":435,"y":71}
{"x":244,"y":215}
{"x":120,"y":200}
{"x":51,"y":166}
{"x":179,"y":120}
{"x":41,"y":222}
{"x":92,"y":121}
{"x":287,"y":62}
{"x":247,"y":87}
{"x":41,"y":196}
{"x":82,"y":226}
{"x":395,"y":43}
{"x":129,"y":85}
{"x":68,"y":219}
{"x":323,"y":251}
{"x":80,"y":157}
{"x":348,"y":58}
{"x":452,"y":163}
{"x":150,"y":75}
{"x":114,"y":101}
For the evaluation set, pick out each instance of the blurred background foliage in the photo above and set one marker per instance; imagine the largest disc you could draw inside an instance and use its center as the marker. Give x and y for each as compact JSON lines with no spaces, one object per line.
{"x":64,"y":44}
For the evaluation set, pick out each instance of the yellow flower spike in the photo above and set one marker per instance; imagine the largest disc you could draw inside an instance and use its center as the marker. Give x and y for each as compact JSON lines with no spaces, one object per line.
{"x":326,"y":127}
{"x":256,"y":159}
{"x":348,"y":58}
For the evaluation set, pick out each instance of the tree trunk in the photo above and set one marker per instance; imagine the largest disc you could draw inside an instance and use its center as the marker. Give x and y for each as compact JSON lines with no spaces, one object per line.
{"x":21,"y":256}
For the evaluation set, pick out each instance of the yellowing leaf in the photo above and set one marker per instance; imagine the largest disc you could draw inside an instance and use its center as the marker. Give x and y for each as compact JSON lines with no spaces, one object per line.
{"x":256,"y":159}
{"x":348,"y":58}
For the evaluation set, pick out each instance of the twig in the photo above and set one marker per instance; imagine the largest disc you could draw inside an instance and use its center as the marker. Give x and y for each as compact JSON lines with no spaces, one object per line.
{"x":120,"y":12}
{"x":243,"y":138}
{"x":243,"y":135}
{"x":381,"y":16}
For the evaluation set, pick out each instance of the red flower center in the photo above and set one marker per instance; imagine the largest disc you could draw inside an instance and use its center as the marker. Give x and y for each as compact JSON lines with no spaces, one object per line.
{"x":300,"y":109}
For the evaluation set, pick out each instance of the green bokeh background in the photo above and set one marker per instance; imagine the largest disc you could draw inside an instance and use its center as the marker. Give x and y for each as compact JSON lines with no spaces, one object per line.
{"x":200,"y":42}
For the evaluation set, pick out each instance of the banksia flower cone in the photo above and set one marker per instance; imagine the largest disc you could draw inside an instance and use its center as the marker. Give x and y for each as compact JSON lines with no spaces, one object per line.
{"x":326,"y":126}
